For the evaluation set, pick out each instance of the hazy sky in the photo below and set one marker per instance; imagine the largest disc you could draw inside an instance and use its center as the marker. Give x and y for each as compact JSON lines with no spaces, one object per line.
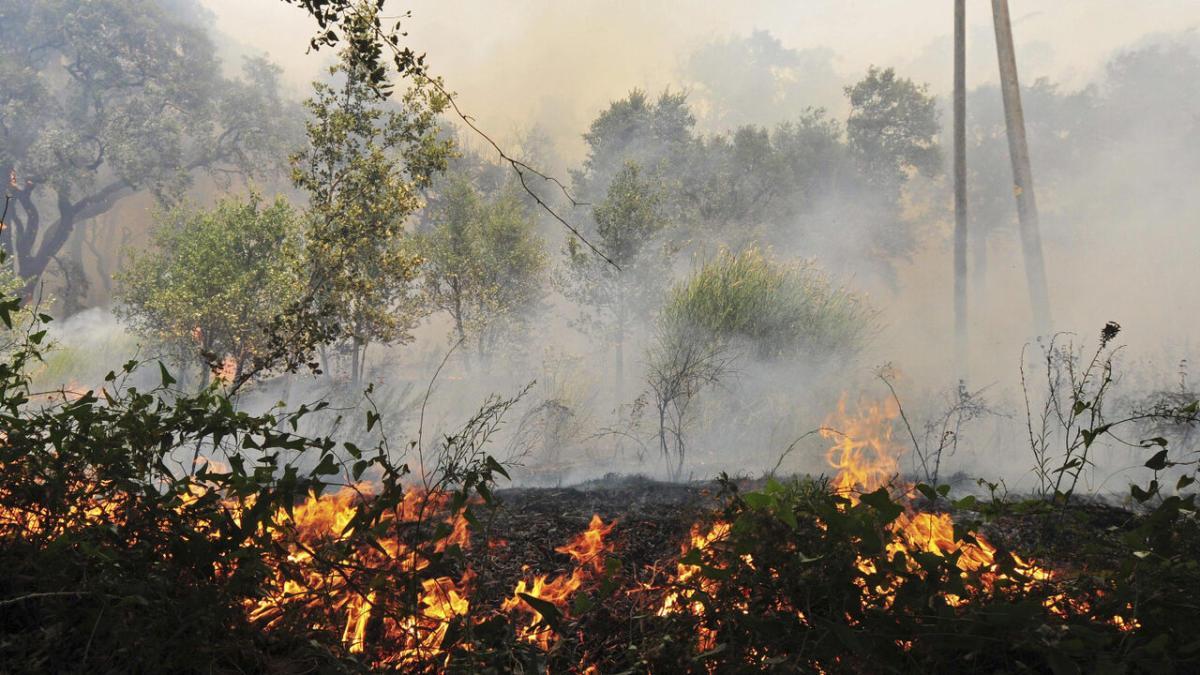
{"x":558,"y":63}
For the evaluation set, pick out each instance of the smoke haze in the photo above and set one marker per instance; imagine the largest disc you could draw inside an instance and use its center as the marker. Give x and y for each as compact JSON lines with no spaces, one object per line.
{"x":1120,"y":219}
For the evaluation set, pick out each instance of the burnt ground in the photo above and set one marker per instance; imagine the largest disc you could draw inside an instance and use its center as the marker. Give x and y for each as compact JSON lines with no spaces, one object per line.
{"x":1084,"y":544}
{"x":654,"y":520}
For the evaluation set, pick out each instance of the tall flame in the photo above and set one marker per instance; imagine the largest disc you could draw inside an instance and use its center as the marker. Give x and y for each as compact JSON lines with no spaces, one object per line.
{"x":864,"y":453}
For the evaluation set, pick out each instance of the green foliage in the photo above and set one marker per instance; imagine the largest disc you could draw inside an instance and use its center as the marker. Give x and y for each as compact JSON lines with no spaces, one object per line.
{"x":628,"y":222}
{"x":630,"y":215}
{"x":358,"y":26}
{"x":1074,"y":413}
{"x":776,"y":186}
{"x":653,"y":133}
{"x":105,"y":98}
{"x":363,"y":170}
{"x":774,"y":309}
{"x":893,"y":127}
{"x":138,"y":527}
{"x":483,"y":263}
{"x":216,"y":278}
{"x":781,"y":586}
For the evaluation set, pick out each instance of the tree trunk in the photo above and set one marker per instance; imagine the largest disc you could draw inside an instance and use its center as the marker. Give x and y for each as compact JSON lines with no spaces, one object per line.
{"x":619,"y":355}
{"x":459,"y":327}
{"x":1018,"y":150}
{"x":979,"y":264}
{"x":960,"y":191}
{"x":355,"y":354}
{"x":662,"y":435}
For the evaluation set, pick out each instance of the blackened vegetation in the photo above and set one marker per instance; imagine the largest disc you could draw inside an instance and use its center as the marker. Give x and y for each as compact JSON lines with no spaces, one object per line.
{"x":783,"y":593}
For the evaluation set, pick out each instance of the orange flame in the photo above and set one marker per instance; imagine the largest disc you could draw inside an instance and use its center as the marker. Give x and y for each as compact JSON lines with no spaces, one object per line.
{"x":864,"y":453}
{"x":587,"y":551}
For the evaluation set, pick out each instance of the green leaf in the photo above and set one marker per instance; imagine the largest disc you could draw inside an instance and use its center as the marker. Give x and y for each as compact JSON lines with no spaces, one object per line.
{"x":1144,"y":495}
{"x":495,"y":466}
{"x":967,"y":502}
{"x":581,"y":604}
{"x":1159,"y":461}
{"x":1090,"y":435}
{"x":787,"y":515}
{"x":327,"y":466}
{"x":167,"y":380}
{"x":547,"y":611}
{"x":758,"y":501}
{"x":882,"y":502}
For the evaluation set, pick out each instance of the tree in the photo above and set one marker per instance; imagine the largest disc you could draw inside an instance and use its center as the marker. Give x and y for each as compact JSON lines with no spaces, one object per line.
{"x":108,"y":97}
{"x":755,"y":184}
{"x":363,"y":170}
{"x":754,"y":79}
{"x":680,"y":363}
{"x":655,"y":134}
{"x":484,"y":263}
{"x":627,"y":224}
{"x":892,"y":128}
{"x":214,"y":280}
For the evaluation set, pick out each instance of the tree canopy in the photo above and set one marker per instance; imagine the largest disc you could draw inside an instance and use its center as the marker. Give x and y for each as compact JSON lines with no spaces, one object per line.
{"x":215,"y":279}
{"x":108,"y":97}
{"x":484,"y":264}
{"x":364,"y":168}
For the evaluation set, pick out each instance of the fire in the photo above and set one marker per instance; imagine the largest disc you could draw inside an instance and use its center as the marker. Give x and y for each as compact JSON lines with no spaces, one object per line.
{"x":321,"y":523}
{"x":867,"y":458}
{"x":587,"y":551}
{"x":680,"y":601}
{"x":227,"y":371}
{"x":864,"y":454}
{"x":392,"y":604}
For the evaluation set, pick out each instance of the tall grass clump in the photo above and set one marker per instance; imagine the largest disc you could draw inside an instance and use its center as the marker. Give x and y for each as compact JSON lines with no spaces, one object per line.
{"x":775,"y":309}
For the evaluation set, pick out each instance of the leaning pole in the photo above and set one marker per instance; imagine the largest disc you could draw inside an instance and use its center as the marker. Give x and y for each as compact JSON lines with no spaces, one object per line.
{"x":1018,"y":150}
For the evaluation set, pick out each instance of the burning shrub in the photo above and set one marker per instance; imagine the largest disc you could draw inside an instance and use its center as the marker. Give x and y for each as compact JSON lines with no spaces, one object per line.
{"x":165,"y":529}
{"x":862,"y":573}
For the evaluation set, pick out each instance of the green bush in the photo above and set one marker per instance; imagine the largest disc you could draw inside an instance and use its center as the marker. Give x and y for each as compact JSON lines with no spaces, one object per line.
{"x":776,"y":309}
{"x":215,"y":279}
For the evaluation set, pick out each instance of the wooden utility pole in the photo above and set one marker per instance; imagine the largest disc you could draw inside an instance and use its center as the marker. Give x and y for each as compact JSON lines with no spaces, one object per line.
{"x":960,"y":190}
{"x":1018,"y":150}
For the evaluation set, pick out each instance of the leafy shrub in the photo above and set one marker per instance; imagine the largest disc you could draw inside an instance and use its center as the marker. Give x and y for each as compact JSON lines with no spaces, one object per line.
{"x":775,"y":309}
{"x":779,"y":584}
{"x":215,"y":278}
{"x":138,"y":528}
